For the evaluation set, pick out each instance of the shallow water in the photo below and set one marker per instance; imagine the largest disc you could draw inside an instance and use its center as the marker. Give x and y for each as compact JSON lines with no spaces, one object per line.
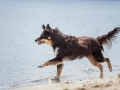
{"x":20,"y":25}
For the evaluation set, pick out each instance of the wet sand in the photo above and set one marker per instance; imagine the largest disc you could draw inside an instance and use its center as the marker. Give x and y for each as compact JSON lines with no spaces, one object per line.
{"x":93,"y":84}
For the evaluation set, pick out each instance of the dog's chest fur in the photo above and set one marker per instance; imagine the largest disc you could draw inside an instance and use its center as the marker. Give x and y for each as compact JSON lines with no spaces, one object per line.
{"x":56,"y":51}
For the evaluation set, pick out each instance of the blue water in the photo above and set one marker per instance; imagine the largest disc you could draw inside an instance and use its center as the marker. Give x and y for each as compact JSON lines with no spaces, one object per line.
{"x":20,"y":25}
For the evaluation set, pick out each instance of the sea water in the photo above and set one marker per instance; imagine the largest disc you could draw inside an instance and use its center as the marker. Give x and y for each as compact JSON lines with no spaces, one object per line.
{"x":21,"y":23}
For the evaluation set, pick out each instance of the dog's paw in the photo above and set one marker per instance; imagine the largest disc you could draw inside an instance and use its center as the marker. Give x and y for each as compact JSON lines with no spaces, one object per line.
{"x":40,"y":66}
{"x":57,"y":78}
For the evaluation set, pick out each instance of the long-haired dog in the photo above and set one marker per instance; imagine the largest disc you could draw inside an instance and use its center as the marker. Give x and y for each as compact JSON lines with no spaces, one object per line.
{"x":68,"y":47}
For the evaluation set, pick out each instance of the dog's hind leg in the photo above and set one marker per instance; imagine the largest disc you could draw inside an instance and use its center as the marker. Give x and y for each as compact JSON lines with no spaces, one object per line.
{"x":59,"y":70}
{"x":109,"y":64}
{"x":95,"y":63}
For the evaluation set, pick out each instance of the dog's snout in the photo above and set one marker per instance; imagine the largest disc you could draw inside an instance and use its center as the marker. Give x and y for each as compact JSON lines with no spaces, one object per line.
{"x":36,"y":40}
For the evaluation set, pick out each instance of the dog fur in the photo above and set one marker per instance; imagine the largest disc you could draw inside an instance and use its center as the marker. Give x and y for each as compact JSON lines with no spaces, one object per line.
{"x":68,"y":47}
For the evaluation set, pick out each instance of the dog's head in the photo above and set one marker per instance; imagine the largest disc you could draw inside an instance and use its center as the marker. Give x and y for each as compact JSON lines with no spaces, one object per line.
{"x":45,"y":37}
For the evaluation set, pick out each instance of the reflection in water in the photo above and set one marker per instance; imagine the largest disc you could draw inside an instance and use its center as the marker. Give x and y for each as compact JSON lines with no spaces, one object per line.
{"x":88,"y":70}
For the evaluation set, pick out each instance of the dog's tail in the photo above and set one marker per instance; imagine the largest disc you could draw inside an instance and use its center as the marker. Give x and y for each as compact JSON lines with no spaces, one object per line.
{"x":108,"y":38}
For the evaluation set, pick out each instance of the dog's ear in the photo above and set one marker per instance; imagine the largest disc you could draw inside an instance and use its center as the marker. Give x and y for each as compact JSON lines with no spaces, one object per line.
{"x":48,"y":27}
{"x":43,"y":26}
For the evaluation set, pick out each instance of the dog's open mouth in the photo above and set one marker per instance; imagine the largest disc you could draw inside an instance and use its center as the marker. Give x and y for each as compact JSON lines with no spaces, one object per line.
{"x":40,"y":42}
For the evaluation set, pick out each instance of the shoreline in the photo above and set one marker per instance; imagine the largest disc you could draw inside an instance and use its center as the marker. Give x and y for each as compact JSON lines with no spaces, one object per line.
{"x":91,"y":84}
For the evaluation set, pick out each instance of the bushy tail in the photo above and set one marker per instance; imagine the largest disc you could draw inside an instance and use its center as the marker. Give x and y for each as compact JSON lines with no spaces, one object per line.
{"x":108,"y":38}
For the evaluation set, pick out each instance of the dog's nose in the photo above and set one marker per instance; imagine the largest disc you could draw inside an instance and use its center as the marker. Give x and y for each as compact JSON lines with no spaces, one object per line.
{"x":35,"y":40}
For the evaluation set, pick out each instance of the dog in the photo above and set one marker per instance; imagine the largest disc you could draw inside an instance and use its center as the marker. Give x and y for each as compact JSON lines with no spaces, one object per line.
{"x":67,"y":47}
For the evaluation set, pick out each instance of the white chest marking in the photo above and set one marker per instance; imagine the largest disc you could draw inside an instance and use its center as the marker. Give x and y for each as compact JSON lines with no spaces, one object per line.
{"x":56,"y":51}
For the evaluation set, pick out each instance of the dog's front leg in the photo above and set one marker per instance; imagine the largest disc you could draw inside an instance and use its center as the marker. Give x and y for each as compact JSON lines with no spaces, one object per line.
{"x":40,"y":66}
{"x":54,"y":61}
{"x":59,"y":70}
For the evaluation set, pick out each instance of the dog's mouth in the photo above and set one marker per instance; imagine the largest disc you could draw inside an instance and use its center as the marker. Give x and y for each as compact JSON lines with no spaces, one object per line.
{"x":43,"y":41}
{"x":40,"y":42}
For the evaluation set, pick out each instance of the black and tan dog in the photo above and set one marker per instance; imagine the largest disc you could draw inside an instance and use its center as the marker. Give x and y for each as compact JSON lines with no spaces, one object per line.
{"x":68,"y":47}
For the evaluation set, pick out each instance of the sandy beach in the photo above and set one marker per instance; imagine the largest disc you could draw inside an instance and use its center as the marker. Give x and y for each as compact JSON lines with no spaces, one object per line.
{"x":112,"y":83}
